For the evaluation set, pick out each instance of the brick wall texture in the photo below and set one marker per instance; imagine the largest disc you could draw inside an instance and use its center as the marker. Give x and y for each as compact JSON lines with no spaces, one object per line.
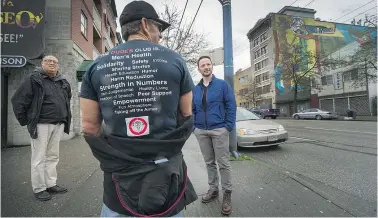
{"x":84,"y":42}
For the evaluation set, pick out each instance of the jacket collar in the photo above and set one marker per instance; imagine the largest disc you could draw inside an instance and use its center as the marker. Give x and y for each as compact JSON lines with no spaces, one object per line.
{"x":212,"y":79}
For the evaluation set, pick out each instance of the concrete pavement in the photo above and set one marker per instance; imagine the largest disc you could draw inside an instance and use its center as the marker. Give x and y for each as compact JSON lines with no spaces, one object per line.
{"x":259,"y":189}
{"x":338,"y":158}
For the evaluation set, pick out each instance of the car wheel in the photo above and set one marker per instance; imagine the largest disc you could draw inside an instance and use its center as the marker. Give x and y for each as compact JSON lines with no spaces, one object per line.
{"x":238,"y":148}
{"x":318,"y":117}
{"x":296,"y":117}
{"x":274,"y":117}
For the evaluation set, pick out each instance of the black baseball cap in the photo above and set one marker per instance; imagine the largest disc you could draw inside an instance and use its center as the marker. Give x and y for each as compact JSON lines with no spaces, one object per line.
{"x":136,"y":10}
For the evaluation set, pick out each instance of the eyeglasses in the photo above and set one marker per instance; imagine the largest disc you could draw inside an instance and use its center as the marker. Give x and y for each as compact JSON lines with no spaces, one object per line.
{"x":51,"y":61}
{"x":158,"y":25}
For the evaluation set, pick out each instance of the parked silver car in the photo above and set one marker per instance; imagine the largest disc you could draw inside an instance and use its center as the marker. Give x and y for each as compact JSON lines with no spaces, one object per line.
{"x":252,"y":131}
{"x":315,"y":113}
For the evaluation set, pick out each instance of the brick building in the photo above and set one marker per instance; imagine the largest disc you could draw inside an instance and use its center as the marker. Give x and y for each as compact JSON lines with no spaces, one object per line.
{"x":75,"y":30}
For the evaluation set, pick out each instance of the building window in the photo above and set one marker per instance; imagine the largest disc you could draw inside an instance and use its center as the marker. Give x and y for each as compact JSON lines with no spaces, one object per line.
{"x":261,"y":65}
{"x":257,"y":66}
{"x":263,"y":50}
{"x":266,"y":89}
{"x":84,"y":24}
{"x":257,"y":54}
{"x":255,"y":42}
{"x":243,"y":91}
{"x":258,"y":90}
{"x":265,"y":76}
{"x":327,"y":80}
{"x":263,"y":37}
{"x":264,"y":63}
{"x":243,"y":79}
{"x":350,"y":75}
{"x":260,"y":52}
{"x":258,"y":79}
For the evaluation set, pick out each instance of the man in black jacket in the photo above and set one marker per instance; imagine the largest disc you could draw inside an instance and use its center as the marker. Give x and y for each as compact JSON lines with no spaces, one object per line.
{"x":142,"y":92}
{"x":42,"y":102}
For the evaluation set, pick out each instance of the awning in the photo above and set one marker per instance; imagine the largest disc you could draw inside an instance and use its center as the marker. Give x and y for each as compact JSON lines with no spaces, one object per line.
{"x":82,"y":68}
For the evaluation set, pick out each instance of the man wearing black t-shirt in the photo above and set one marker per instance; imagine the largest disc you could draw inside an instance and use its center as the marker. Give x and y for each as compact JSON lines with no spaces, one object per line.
{"x":139,"y":91}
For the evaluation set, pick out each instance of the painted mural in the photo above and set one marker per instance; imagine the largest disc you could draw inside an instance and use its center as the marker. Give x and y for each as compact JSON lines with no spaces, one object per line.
{"x":321,"y":38}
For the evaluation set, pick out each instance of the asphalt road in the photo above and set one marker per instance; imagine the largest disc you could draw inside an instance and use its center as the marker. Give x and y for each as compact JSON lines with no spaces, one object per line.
{"x":338,"y":155}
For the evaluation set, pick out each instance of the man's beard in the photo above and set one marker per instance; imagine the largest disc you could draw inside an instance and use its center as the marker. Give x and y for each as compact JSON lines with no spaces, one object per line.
{"x":207,"y":74}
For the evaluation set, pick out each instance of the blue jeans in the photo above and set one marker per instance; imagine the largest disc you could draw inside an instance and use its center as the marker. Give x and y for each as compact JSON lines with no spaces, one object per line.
{"x":107,"y":212}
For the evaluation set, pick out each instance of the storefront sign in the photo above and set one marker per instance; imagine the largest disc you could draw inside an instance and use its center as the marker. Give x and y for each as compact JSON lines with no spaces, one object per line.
{"x":12,"y":61}
{"x":22,"y":30}
{"x":338,"y":81}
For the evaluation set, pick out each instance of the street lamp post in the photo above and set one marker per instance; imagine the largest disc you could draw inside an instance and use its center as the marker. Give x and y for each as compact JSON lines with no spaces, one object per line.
{"x":228,"y":61}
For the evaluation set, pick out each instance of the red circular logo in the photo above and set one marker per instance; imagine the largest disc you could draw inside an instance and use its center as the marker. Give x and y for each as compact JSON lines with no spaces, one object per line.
{"x":138,"y":126}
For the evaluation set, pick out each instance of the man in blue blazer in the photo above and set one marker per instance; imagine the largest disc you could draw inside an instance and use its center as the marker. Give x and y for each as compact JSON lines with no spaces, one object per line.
{"x":214,"y":110}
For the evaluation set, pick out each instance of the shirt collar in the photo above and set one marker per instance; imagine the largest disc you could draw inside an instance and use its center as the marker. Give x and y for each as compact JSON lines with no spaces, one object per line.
{"x":212,"y":79}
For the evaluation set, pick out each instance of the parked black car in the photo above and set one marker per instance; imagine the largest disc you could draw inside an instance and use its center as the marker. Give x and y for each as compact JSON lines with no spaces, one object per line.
{"x":263,"y":113}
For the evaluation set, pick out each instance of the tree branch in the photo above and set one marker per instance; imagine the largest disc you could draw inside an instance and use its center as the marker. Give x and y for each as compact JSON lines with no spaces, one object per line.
{"x":188,"y":44}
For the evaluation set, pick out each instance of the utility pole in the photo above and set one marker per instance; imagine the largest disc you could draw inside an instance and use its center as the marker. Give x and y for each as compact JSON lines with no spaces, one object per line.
{"x":367,"y":85}
{"x":228,"y":62}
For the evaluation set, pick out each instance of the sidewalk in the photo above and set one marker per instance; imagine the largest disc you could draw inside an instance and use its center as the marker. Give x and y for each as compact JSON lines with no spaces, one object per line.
{"x":259,"y":190}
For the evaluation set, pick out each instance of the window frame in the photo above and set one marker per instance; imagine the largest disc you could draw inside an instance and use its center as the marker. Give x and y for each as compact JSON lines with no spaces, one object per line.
{"x":83,"y":25}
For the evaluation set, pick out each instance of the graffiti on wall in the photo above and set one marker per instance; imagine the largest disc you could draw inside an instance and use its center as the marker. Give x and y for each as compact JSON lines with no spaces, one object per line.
{"x":318,"y":37}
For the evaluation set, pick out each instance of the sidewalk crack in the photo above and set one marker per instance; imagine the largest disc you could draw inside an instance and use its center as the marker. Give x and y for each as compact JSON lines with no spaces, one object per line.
{"x":309,"y":188}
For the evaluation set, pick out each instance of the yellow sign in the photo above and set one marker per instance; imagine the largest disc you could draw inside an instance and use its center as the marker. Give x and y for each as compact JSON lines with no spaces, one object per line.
{"x":23,"y":19}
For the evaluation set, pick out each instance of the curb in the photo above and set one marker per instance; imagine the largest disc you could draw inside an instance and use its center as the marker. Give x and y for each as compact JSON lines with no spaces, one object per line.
{"x":359,"y":120}
{"x":339,"y":198}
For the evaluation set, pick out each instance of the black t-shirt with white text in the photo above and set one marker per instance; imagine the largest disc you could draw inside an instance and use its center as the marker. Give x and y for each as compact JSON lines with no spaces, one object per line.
{"x":138,"y":85}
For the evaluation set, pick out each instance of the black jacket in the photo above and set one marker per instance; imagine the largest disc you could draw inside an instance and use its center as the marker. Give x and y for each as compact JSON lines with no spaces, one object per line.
{"x":27,"y":101}
{"x":143,"y":187}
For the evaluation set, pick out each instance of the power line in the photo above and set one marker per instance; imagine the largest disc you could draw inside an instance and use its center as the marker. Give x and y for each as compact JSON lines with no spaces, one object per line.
{"x":293,"y":3}
{"x":309,"y":3}
{"x":241,"y":52}
{"x":360,"y":13}
{"x":178,"y":28}
{"x":194,"y":18}
{"x":354,"y":10}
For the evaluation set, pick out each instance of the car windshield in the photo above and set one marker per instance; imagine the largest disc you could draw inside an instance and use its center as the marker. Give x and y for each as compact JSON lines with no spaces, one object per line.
{"x":244,"y":114}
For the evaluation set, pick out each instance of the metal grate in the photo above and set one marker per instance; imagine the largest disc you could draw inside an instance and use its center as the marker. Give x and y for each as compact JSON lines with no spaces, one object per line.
{"x":326,"y":104}
{"x":360,"y":104}
{"x":341,"y":105}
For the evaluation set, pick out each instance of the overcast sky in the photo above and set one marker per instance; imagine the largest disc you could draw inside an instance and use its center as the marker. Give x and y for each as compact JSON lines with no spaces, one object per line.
{"x":245,"y":14}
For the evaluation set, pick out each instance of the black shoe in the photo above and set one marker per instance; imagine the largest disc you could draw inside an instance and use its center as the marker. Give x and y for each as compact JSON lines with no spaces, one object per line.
{"x":43,"y":196}
{"x":56,"y":189}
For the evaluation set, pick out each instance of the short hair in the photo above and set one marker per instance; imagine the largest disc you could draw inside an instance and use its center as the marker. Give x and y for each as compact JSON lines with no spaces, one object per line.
{"x":203,"y":57}
{"x":131,"y":28}
{"x":48,"y":55}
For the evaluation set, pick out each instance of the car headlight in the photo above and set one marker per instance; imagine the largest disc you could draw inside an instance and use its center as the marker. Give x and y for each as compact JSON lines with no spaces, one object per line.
{"x":281,"y":128}
{"x":247,"y":132}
